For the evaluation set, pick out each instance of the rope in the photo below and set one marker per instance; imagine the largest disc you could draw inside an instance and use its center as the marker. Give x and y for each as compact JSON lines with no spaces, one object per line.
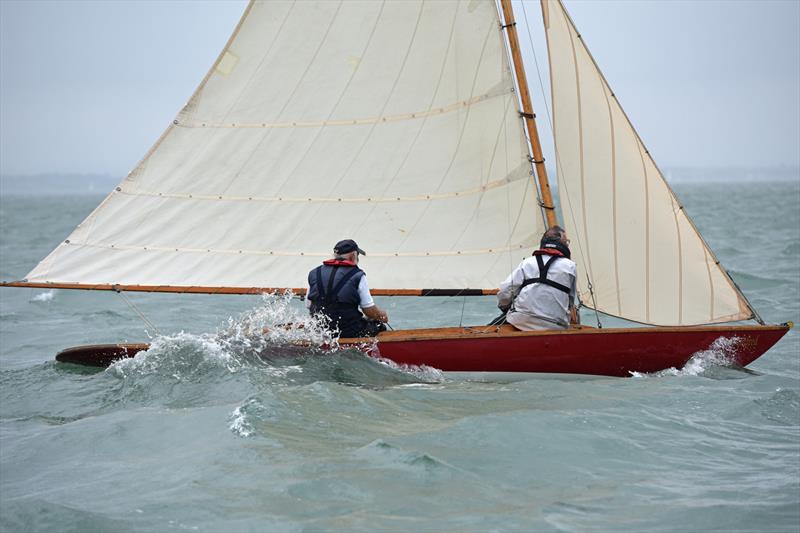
{"x":136,"y":310}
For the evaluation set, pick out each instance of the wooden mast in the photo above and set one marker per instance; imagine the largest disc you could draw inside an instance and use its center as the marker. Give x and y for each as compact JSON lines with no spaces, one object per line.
{"x":510,"y":26}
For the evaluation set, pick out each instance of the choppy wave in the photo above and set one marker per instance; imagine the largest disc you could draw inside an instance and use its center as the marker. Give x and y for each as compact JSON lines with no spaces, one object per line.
{"x":272,"y":343}
{"x":756,"y":282}
{"x":782,"y":407}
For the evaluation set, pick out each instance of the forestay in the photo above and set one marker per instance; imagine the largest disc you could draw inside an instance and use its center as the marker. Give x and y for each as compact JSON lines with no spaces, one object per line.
{"x":394,"y":123}
{"x":643,"y":256}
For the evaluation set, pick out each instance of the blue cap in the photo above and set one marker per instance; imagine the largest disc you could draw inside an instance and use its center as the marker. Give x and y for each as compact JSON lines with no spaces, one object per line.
{"x":346,"y":246}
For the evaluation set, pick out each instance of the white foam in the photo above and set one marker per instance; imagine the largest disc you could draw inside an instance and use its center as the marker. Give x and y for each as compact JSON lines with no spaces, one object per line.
{"x":239,"y":424}
{"x":424,"y":373}
{"x":44,"y":296}
{"x":277,"y":321}
{"x":721,"y":353}
{"x":268,"y":329}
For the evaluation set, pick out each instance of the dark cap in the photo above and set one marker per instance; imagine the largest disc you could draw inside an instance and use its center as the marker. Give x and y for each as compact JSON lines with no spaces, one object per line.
{"x":346,"y":246}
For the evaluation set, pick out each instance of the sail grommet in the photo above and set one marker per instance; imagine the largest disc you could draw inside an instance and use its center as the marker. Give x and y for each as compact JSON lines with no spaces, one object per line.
{"x":175,"y":122}
{"x":118,"y":189}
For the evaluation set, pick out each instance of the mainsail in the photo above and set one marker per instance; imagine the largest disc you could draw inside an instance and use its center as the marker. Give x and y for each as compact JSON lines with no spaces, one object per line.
{"x":395,"y":123}
{"x":631,"y":238}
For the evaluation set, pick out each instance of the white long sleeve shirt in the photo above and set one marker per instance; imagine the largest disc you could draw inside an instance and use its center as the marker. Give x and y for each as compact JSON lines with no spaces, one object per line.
{"x":539,"y":306}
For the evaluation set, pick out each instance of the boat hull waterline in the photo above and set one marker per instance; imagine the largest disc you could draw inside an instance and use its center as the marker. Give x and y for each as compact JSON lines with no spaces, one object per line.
{"x":580,"y":350}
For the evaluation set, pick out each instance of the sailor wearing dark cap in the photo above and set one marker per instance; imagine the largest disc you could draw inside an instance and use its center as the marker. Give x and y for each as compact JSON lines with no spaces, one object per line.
{"x":337,"y":288}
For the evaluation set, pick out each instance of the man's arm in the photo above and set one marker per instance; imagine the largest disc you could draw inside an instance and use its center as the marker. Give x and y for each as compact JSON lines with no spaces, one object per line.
{"x":509,"y":288}
{"x":574,"y":315}
{"x":367,"y":304}
{"x":376,"y":313}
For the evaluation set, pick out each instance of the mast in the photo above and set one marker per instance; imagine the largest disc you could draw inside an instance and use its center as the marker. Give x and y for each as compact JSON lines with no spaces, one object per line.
{"x":527,"y":113}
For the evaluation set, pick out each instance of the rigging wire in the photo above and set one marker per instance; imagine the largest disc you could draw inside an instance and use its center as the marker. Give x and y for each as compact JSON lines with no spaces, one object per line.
{"x":594,"y":302}
{"x":463,"y":305}
{"x":136,"y":310}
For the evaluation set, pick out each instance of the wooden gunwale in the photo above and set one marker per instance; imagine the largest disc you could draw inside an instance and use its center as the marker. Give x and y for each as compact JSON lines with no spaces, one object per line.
{"x":510,"y":331}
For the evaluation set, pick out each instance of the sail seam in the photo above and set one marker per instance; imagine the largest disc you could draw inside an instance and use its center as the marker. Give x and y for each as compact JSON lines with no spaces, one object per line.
{"x":614,"y":198}
{"x":646,"y":235}
{"x":742,"y":299}
{"x":675,"y":210}
{"x":412,"y":146}
{"x":588,"y":255}
{"x":462,"y":129}
{"x":366,"y":139}
{"x":710,"y":283}
{"x":311,"y":145}
{"x":297,"y":85}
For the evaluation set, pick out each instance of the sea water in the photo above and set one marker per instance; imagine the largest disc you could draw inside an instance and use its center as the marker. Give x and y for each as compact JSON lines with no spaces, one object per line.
{"x":218,"y":428}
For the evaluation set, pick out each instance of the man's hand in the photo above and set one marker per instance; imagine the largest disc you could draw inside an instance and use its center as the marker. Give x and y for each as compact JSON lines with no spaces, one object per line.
{"x":574,"y":316}
{"x":376,"y":313}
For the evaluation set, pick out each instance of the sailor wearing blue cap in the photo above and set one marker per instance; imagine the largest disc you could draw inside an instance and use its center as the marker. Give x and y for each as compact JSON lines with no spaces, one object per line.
{"x":338,"y":288}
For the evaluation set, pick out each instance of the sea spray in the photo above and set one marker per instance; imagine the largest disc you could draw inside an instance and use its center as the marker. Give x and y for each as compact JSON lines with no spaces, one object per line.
{"x":276,"y":341}
{"x":46,"y":296}
{"x":721,"y":353}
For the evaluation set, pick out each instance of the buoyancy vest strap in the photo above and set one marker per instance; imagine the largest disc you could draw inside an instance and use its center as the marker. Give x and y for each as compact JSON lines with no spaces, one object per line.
{"x":349,"y":274}
{"x":543,"y":269}
{"x":320,"y":287}
{"x":328,"y":296}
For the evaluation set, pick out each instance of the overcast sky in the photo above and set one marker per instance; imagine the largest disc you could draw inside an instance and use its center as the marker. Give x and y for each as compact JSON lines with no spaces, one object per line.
{"x":88,"y":86}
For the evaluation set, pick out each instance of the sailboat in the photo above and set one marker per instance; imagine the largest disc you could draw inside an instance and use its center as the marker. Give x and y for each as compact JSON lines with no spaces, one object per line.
{"x":408,"y":125}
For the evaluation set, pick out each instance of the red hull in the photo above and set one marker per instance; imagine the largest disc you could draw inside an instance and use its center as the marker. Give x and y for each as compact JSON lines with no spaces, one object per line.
{"x":606,"y":352}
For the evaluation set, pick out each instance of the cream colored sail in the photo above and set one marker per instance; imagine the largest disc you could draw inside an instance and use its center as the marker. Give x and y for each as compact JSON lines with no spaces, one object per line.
{"x":393,"y":123}
{"x":643,"y":256}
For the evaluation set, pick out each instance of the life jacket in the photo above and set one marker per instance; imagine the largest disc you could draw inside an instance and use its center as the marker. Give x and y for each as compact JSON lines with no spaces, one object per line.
{"x":544,"y":268}
{"x":333,"y":292}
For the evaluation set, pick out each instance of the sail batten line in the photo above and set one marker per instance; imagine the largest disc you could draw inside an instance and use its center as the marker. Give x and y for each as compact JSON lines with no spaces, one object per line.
{"x":285,"y":253}
{"x":345,"y":122}
{"x":322,"y":199}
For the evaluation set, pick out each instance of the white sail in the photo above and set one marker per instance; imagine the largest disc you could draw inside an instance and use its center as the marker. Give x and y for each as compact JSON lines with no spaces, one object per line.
{"x":642,"y":254}
{"x":393,"y":123}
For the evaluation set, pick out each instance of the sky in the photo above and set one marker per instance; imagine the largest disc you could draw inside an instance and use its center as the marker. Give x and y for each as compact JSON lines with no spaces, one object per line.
{"x":88,"y":86}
